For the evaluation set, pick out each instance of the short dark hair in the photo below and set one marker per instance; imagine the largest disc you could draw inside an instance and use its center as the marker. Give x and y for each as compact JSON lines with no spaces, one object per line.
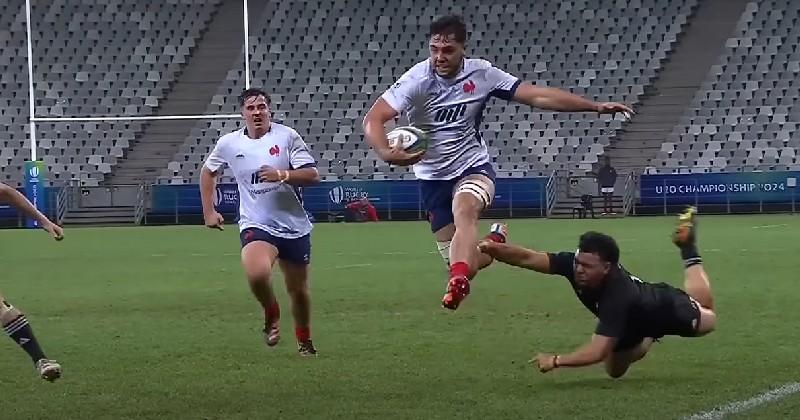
{"x":249,"y":93}
{"x":601,"y":244}
{"x":450,"y":25}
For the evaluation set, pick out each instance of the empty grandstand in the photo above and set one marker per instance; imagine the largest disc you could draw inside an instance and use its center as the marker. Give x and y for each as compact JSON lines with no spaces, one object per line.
{"x":326,"y":61}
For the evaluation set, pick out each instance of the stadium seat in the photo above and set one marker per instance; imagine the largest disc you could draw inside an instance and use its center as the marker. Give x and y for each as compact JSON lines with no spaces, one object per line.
{"x":121,"y":65}
{"x":746,"y":103}
{"x":328,"y":72}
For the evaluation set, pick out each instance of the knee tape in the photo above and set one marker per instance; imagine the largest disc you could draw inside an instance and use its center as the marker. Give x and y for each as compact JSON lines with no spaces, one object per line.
{"x":8,"y":313}
{"x":480,"y":188}
{"x":444,"y":250}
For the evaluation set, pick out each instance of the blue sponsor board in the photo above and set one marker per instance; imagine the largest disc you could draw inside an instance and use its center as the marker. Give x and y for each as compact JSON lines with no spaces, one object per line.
{"x":35,"y":188}
{"x":44,"y":195}
{"x":401,"y":195}
{"x":7,"y":212}
{"x":719,"y":188}
{"x":384,"y":195}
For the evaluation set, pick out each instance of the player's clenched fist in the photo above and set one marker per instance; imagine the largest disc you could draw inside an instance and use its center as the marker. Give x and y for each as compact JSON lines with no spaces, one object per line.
{"x":545,"y":362}
{"x":55,"y":230}
{"x":398,"y":156}
{"x":214,"y":220}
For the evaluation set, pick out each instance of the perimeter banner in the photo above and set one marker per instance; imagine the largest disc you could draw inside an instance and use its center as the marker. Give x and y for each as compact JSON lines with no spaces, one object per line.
{"x":35,"y":188}
{"x":528,"y":193}
{"x":719,"y":188}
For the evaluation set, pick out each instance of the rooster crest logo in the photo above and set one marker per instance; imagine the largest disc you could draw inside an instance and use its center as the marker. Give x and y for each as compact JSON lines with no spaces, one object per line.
{"x":469,"y":86}
{"x":274,"y":150}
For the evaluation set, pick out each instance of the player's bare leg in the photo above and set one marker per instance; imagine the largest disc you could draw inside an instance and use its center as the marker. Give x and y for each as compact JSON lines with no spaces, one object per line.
{"x":466,"y":211}
{"x":296,"y":277}
{"x":16,"y":326}
{"x":257,"y":260}
{"x":498,"y":232}
{"x":472,"y":195}
{"x":696,"y":281}
{"x":618,"y":362}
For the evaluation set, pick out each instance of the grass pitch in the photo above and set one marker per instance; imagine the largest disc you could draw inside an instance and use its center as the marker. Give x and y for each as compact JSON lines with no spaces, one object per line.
{"x":157,"y":322}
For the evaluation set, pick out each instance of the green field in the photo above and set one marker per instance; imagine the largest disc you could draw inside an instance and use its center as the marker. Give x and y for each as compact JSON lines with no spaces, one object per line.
{"x":157,"y":322}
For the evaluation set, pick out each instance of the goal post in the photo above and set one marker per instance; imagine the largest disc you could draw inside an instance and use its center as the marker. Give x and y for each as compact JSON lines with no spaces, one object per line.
{"x":35,"y":168}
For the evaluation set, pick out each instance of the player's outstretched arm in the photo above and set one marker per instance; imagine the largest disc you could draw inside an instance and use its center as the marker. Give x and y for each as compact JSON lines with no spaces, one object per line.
{"x":15,"y":198}
{"x":560,"y":100}
{"x":595,"y":351}
{"x":517,"y":256}
{"x":375,"y":132}
{"x":208,"y":183}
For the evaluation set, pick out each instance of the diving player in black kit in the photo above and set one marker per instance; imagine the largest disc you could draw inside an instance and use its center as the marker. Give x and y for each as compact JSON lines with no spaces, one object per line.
{"x":631,"y":312}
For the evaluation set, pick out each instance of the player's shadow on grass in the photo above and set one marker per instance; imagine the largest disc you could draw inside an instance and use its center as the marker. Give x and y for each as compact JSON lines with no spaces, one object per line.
{"x":637,"y":381}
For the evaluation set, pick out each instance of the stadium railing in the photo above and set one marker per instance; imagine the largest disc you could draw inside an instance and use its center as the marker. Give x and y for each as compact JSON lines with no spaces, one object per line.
{"x":62,"y":203}
{"x":140,"y":212}
{"x":629,"y":194}
{"x":551,"y":190}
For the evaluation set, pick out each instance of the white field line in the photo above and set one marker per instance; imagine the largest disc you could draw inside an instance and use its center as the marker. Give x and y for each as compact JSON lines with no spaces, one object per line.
{"x":339,"y":267}
{"x":736,"y":407}
{"x":770,"y":226}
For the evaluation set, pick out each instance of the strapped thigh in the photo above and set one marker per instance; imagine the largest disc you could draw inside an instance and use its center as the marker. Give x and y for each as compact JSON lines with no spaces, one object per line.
{"x":477,"y":185}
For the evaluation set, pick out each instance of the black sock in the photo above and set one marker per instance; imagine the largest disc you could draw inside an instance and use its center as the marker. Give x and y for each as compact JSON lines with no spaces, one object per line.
{"x":21,"y":332}
{"x":690,"y":255}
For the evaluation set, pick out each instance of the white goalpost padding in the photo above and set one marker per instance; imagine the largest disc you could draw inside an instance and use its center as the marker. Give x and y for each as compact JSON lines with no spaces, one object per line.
{"x":31,"y":101}
{"x":33,"y":119}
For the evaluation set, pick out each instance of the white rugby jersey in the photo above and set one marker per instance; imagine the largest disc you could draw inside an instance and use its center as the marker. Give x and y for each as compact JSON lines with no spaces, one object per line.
{"x":450,"y":110}
{"x":271,"y":206}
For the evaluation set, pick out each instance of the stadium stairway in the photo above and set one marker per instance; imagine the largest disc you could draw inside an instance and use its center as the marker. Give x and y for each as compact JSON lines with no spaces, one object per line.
{"x":208,"y":65}
{"x":698,"y":48}
{"x":565,"y":208}
{"x":101,"y":216}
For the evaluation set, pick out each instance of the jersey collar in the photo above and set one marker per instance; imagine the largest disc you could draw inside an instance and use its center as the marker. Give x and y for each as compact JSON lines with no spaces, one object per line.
{"x":269,"y":130}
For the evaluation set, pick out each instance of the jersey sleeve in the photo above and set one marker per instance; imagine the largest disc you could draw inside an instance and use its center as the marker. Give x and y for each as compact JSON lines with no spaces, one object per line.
{"x":562,"y":264}
{"x":504,"y":83}
{"x":402,"y":92}
{"x":217,"y":158}
{"x":613,"y":316}
{"x":299,"y":155}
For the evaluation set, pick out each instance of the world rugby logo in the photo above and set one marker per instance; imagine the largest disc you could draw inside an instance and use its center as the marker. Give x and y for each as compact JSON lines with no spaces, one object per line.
{"x":336,"y":194}
{"x":218,"y":198}
{"x":34,"y":171}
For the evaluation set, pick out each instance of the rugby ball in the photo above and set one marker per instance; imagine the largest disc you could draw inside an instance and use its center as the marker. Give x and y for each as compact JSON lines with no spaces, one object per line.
{"x":411,"y":139}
